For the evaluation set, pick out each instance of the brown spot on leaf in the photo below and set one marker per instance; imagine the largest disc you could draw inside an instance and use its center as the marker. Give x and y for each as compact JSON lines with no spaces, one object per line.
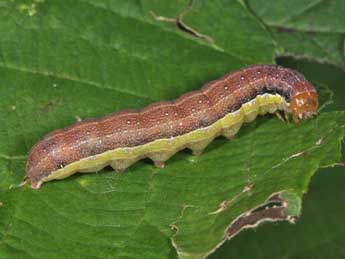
{"x":51,"y":105}
{"x":275,"y":209}
{"x":284,"y":29}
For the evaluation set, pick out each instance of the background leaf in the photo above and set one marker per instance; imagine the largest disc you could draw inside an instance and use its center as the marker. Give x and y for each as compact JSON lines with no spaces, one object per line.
{"x":60,"y":61}
{"x":309,"y":29}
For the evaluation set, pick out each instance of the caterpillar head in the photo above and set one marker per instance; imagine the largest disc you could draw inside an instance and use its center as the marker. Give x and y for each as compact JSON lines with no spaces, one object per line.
{"x":304,"y":105}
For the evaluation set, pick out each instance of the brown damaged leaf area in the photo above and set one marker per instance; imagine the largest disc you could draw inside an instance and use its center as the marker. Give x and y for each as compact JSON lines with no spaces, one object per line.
{"x":274,"y":209}
{"x":180,"y":24}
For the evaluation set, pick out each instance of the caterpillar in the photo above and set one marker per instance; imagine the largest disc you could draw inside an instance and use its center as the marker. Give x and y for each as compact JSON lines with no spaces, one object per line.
{"x":161,"y":129}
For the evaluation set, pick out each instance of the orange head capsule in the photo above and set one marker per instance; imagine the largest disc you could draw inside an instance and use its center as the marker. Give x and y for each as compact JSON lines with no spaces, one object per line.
{"x":304,"y":105}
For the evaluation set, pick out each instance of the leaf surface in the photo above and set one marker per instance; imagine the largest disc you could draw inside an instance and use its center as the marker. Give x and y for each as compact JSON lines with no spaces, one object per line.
{"x":305,"y":29}
{"x":65,"y":60}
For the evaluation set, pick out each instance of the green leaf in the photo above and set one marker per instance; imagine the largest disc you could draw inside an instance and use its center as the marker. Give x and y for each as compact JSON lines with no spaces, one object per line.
{"x":316,"y":235}
{"x":227,"y":24}
{"x":64,"y":60}
{"x":309,"y":29}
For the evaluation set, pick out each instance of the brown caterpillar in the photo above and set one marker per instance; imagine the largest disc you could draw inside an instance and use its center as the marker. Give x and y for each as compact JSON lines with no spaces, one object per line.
{"x":161,"y":129}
